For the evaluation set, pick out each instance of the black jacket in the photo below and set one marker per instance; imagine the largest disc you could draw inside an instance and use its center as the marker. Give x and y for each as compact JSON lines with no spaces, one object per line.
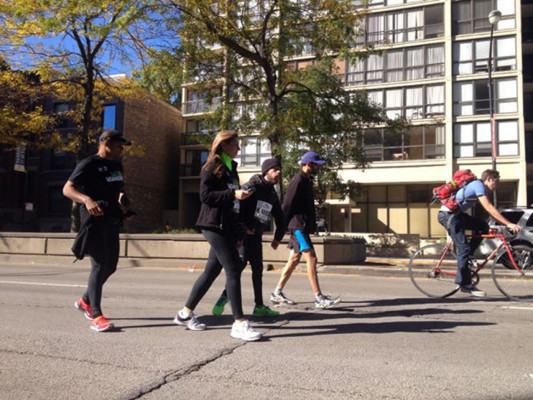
{"x":262,"y":191}
{"x":217,"y":196}
{"x":299,"y":204}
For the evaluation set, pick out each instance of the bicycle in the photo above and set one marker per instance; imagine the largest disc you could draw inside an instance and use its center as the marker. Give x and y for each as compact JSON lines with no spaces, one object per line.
{"x":432,"y":268}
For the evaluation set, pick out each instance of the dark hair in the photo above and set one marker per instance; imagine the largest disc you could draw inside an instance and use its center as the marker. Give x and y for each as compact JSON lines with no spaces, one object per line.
{"x":490,"y":173}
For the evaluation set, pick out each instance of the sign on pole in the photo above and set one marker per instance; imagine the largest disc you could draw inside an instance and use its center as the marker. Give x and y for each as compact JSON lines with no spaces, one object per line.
{"x":20,"y":159}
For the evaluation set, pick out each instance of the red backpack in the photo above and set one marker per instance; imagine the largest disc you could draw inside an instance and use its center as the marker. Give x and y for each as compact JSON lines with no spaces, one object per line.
{"x":445,"y":194}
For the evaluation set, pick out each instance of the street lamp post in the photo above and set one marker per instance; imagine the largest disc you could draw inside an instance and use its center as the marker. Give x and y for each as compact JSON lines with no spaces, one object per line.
{"x":494,"y":18}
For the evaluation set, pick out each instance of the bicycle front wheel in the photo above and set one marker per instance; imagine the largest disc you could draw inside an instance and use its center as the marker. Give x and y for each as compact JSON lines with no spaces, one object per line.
{"x":432,"y":270}
{"x":516,"y":284}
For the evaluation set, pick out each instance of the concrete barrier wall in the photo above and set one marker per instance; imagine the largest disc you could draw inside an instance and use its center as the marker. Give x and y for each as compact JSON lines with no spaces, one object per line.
{"x":191,"y":247}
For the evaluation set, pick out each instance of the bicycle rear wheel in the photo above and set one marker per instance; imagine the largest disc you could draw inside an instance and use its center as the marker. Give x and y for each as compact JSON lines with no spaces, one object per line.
{"x":433,"y":272}
{"x":516,"y":284}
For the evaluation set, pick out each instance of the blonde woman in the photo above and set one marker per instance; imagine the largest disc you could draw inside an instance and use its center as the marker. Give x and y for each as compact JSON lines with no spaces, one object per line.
{"x":221,"y":225}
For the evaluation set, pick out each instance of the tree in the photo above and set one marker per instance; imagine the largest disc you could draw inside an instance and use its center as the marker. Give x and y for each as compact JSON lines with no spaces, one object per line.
{"x":162,"y":76}
{"x":252,"y":46}
{"x":71,"y":45}
{"x":22,"y":121}
{"x":260,"y":38}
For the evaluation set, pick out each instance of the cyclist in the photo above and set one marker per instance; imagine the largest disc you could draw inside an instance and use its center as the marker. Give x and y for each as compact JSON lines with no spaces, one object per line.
{"x":457,"y":222}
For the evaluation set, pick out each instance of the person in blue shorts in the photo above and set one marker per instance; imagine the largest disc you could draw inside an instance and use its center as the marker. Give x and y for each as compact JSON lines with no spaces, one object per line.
{"x":457,"y":222}
{"x":299,"y":209}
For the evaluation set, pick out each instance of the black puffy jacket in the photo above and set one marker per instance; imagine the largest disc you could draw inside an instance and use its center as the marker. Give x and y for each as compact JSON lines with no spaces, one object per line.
{"x":262,"y":190}
{"x":217,"y":196}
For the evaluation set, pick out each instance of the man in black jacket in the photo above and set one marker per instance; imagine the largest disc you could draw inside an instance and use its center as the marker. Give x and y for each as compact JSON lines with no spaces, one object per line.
{"x":258,"y":210}
{"x":98,"y":184}
{"x":299,"y":210}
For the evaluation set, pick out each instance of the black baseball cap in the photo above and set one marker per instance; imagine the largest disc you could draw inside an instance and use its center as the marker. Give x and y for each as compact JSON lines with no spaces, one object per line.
{"x":114,"y":136}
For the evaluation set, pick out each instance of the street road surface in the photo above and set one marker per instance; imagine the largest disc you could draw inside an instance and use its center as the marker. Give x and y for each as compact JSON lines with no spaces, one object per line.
{"x":384,"y":341}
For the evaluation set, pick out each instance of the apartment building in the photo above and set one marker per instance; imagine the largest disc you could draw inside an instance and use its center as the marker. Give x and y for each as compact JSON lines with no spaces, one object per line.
{"x":434,"y":71}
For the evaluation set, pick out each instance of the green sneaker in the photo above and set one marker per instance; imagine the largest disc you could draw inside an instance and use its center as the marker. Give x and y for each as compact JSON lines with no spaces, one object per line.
{"x":264,"y":311}
{"x":218,"y":308}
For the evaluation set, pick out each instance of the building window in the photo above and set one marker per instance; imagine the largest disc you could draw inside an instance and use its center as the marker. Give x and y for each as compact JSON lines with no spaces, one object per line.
{"x":60,"y":110}
{"x":472,"y":57}
{"x":472,"y":97}
{"x":413,"y":102}
{"x":253,"y":152}
{"x":397,"y":65}
{"x":475,"y":139}
{"x":471,"y":16}
{"x":417,"y":143}
{"x":109,"y":117}
{"x":404,"y":25}
{"x":194,"y":161}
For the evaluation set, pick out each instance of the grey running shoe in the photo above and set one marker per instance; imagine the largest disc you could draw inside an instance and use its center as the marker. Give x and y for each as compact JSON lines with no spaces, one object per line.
{"x":279,"y":298}
{"x":243,"y":330}
{"x":191,"y":322}
{"x":473,"y":290}
{"x":326,"y":302}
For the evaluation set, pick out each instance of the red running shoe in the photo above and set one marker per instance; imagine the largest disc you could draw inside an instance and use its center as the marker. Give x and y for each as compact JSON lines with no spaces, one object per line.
{"x":101,"y":324}
{"x":85,"y":308}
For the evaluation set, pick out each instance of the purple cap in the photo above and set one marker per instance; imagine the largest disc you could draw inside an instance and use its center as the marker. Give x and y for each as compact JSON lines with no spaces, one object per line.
{"x":312,"y":157}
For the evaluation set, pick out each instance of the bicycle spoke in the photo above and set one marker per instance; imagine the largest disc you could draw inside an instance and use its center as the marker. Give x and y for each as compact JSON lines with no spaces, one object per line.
{"x":431,"y":275}
{"x":516,"y":284}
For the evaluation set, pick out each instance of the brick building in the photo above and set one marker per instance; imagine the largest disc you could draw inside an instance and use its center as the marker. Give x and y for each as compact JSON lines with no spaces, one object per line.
{"x":33,"y":200}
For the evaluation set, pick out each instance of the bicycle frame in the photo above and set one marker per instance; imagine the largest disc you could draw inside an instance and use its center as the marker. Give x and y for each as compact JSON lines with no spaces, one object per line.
{"x":493,"y":234}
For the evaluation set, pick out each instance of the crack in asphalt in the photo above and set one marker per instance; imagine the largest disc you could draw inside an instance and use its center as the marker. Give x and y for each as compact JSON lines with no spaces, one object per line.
{"x":178,"y":374}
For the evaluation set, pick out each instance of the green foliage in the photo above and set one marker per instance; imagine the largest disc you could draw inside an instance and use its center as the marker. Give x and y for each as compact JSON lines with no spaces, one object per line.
{"x":71,"y":44}
{"x":162,"y":76}
{"x":22,"y":121}
{"x":249,"y":49}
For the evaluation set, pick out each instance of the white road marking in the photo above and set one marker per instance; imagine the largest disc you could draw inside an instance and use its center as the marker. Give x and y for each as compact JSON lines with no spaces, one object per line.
{"x":518,"y":308}
{"x":44,"y":284}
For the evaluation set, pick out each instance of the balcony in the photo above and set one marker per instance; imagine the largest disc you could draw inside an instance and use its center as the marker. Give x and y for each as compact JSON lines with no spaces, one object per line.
{"x":201,"y":106}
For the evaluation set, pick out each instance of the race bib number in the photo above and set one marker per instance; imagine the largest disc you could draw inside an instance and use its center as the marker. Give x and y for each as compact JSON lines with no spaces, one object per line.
{"x":236,"y":203}
{"x":262,"y":211}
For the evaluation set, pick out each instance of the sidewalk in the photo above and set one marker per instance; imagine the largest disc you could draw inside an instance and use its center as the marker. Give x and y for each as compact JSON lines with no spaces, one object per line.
{"x":373,"y":266}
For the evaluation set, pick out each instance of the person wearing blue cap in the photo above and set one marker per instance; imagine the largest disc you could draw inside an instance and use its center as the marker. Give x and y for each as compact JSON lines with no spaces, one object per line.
{"x":299,"y":209}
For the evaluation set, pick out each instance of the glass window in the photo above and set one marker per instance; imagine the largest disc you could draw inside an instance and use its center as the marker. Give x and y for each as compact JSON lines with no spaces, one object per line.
{"x":416,"y":142}
{"x":415,"y":24}
{"x":506,"y":94}
{"x":435,"y":61}
{"x":415,"y":63}
{"x":434,"y":100}
{"x":376,"y":28}
{"x":462,"y":55}
{"x":473,"y":56}
{"x":374,"y":68}
{"x":505,"y":54}
{"x":393,"y":103}
{"x":475,"y":139}
{"x":109,"y":119}
{"x":481,"y":54}
{"x":395,"y":66}
{"x":414,"y":102}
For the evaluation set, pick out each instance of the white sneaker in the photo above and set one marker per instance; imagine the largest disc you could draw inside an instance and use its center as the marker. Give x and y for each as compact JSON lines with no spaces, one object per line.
{"x":326,"y":302}
{"x":243,"y":330}
{"x":191,"y":322}
{"x":473,"y":290}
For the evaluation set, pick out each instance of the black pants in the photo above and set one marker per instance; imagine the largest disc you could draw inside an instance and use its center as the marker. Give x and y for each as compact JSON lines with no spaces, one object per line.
{"x":103,"y":249}
{"x":252,"y":252}
{"x":222,"y":254}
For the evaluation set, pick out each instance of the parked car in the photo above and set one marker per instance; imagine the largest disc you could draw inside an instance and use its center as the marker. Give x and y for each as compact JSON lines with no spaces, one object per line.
{"x":521,"y":242}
